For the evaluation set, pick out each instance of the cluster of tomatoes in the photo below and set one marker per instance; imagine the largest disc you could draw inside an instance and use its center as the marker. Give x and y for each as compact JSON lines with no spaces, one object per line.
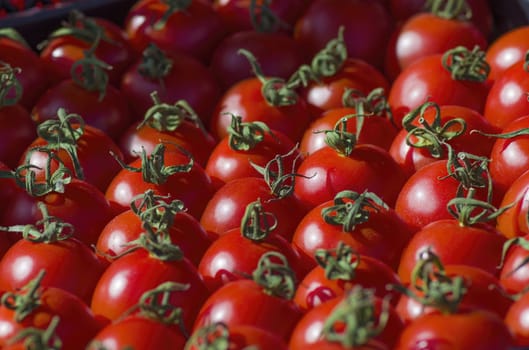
{"x":294,"y":174}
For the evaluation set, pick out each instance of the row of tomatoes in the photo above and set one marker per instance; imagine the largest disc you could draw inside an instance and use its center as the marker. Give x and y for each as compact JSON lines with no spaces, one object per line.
{"x":311,"y":210}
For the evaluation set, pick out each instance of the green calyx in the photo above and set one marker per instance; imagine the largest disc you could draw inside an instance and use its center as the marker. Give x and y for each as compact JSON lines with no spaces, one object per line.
{"x":256,"y":224}
{"x":165,"y":117}
{"x":339,"y":263}
{"x":10,"y":88}
{"x":431,"y":136}
{"x":214,"y":336}
{"x":153,"y":167}
{"x":465,"y":64}
{"x":25,"y":300}
{"x":39,"y":339}
{"x":274,"y":274}
{"x":244,"y":136}
{"x":90,"y":73}
{"x":155,"y":64}
{"x":353,"y":322}
{"x":450,"y":9}
{"x":173,"y":6}
{"x":263,"y":19}
{"x":350,"y":209}
{"x":431,"y":286}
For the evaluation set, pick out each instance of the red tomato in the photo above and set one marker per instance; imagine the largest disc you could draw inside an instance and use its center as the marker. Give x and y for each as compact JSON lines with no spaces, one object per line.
{"x":479,"y":245}
{"x":246,"y":144}
{"x":507,"y":49}
{"x":177,"y":123}
{"x":432,"y":33}
{"x":507,"y":98}
{"x":515,"y":320}
{"x":175,"y":77}
{"x":513,"y":222}
{"x":34,"y":306}
{"x":32,"y":75}
{"x":339,"y":270}
{"x":353,"y":319}
{"x":192,"y":27}
{"x":238,"y":337}
{"x":88,"y":152}
{"x":514,"y":275}
{"x":509,"y":157}
{"x":267,"y":296}
{"x":168,"y":172}
{"x":476,"y":329}
{"x":128,"y":277}
{"x":365,"y":38}
{"x":429,"y":126}
{"x":328,"y":171}
{"x":48,"y":245}
{"x":80,"y":33}
{"x":362,"y":222}
{"x":279,"y":55}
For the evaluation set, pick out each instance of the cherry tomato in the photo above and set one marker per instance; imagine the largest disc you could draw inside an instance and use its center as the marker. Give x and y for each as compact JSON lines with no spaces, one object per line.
{"x":507,"y":49}
{"x":513,"y":222}
{"x":515,"y":321}
{"x":514,"y":274}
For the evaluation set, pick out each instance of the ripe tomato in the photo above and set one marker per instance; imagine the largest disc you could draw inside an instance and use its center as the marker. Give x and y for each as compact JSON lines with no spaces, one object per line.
{"x":507,"y":49}
{"x":353,"y":319}
{"x":279,"y":55}
{"x":441,"y":78}
{"x":361,"y":221}
{"x":437,"y":31}
{"x":427,"y":128}
{"x":248,"y":143}
{"x":34,"y":306}
{"x":513,"y":222}
{"x":66,"y":45}
{"x":269,"y":293}
{"x":48,"y":244}
{"x":191,"y":27}
{"x":365,"y":38}
{"x":175,"y":76}
{"x":514,"y":275}
{"x":168,"y":172}
{"x":477,"y":329}
{"x":507,"y":98}
{"x":170,"y":123}
{"x":339,"y":270}
{"x":515,"y":320}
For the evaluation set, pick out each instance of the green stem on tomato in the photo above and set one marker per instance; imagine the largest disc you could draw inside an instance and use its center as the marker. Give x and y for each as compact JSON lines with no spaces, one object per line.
{"x":39,"y":339}
{"x":339,"y":263}
{"x":244,"y":136}
{"x":465,"y":64}
{"x":450,"y":9}
{"x":172,"y":7}
{"x":275,"y":275}
{"x":156,"y":211}
{"x":214,"y":336}
{"x":155,"y":64}
{"x":25,"y":300}
{"x":10,"y":88}
{"x":263,"y":19}
{"x":255,"y":223}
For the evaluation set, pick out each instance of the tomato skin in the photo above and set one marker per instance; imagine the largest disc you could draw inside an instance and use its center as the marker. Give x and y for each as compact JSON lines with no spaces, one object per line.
{"x":226,"y":208}
{"x":515,"y":320}
{"x":70,"y":265}
{"x":73,"y":313}
{"x":110,"y":113}
{"x":327,"y":172}
{"x":483,"y":292}
{"x":17,"y":131}
{"x":229,"y":304}
{"x":412,"y":158}
{"x":138,"y":272}
{"x":477,"y":329}
{"x":139,"y":332}
{"x":198,"y":19}
{"x":198,"y":142}
{"x":186,"y":232}
{"x":514,"y":274}
{"x":355,"y":73}
{"x":479,"y":245}
{"x":427,"y":79}
{"x":279,"y":55}
{"x":383,"y":236}
{"x":507,"y":49}
{"x":365,"y":39}
{"x":62,"y":52}
{"x":188,"y":80}
{"x":308,"y":329}
{"x":225,"y":163}
{"x":93,"y":149}
{"x":376,"y":130}
{"x":513,"y":222}
{"x":194,"y":188}
{"x":509,"y":158}
{"x":246,"y":100}
{"x":507,"y":99}
{"x":81,"y":205}
{"x":315,"y":289}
